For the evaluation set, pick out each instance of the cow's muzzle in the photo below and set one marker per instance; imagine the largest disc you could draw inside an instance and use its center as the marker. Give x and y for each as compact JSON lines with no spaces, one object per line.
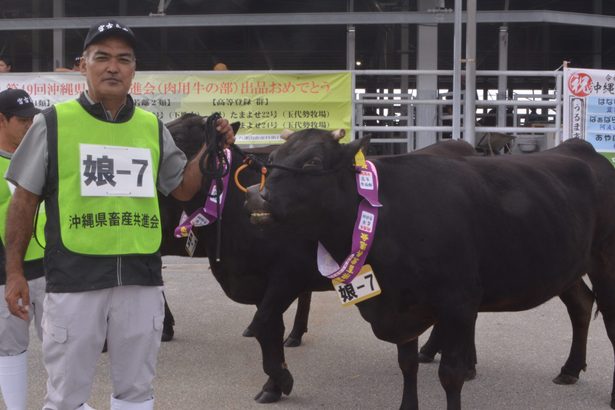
{"x":259,"y":208}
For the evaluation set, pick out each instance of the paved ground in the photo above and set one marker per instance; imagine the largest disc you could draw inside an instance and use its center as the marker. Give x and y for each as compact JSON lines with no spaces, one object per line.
{"x":342,"y":365}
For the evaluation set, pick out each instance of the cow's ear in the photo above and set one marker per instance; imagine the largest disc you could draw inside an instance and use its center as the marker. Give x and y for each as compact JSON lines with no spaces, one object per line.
{"x":353,"y":147}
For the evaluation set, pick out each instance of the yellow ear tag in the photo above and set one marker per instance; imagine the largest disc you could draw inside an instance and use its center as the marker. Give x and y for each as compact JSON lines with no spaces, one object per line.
{"x":359,"y":159}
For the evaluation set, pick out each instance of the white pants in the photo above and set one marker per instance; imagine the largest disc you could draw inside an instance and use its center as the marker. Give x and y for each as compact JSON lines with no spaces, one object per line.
{"x":14,"y":332}
{"x":75,"y":326}
{"x":14,"y":340}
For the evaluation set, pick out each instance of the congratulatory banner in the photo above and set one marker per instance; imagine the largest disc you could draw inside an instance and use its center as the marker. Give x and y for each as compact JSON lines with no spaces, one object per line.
{"x":264,"y":103}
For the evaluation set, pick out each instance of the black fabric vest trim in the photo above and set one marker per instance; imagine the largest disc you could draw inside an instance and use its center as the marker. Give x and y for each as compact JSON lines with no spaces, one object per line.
{"x":67,"y":271}
{"x":33,"y":269}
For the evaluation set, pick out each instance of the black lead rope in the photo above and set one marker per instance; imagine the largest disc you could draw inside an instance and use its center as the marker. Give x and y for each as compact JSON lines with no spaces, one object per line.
{"x":255,"y":163}
{"x":315,"y":172}
{"x":214,"y":164}
{"x":250,"y":159}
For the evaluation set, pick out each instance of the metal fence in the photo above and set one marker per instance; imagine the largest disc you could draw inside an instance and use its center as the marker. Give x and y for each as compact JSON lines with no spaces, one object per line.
{"x":529,"y":110}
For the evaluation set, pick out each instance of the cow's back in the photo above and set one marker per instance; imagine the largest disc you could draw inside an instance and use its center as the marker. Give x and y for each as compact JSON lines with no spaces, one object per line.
{"x":502,"y":225}
{"x":605,"y":178}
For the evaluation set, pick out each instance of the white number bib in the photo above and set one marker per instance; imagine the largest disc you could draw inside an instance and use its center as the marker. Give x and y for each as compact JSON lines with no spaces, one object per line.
{"x":116,"y":171}
{"x":363,"y":286}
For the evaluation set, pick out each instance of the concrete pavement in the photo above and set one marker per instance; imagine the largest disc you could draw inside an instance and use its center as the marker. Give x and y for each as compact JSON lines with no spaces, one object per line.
{"x":341,"y":365}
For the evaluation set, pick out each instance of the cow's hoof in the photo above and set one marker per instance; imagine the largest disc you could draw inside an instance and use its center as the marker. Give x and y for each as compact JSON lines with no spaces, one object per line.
{"x":248,"y":332}
{"x":270,"y":393}
{"x":292,"y":341}
{"x":426,"y":358}
{"x":286,"y":382}
{"x":268,"y":396}
{"x":612,"y":402}
{"x":565,"y":379}
{"x":470,"y":374}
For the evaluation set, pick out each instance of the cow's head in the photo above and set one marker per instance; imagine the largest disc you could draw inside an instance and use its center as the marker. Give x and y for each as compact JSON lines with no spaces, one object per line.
{"x":190,"y":132}
{"x":308,"y":176}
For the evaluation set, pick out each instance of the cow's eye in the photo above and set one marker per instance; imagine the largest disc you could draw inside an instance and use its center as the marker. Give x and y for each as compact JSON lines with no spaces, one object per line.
{"x":313,"y":163}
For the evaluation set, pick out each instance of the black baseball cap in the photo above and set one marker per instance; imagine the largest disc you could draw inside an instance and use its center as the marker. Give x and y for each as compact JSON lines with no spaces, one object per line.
{"x":18,"y":103}
{"x":109,"y":28}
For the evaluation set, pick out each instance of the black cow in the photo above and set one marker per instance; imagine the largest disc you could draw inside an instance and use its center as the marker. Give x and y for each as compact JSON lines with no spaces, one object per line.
{"x":267,"y":269}
{"x":255,"y":267}
{"x":188,"y":133}
{"x":579,"y":299}
{"x":454,"y":236}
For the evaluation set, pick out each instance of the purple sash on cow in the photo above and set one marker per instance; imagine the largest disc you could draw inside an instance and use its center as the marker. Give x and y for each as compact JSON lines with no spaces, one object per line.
{"x":209,"y":212}
{"x":364,"y":228}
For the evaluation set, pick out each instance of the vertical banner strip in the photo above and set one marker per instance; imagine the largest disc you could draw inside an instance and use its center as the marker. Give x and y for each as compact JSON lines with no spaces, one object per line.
{"x":589,"y":108}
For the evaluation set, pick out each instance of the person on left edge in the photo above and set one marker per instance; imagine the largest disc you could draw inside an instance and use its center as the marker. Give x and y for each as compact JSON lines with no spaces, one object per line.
{"x":16,"y":113}
{"x":97,"y":161}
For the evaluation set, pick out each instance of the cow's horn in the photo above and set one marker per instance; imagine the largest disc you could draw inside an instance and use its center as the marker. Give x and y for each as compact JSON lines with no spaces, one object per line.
{"x":338,"y":134}
{"x":286,"y":133}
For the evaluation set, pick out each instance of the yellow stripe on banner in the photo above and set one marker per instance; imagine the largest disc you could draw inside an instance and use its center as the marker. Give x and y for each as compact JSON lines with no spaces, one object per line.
{"x":265,"y":103}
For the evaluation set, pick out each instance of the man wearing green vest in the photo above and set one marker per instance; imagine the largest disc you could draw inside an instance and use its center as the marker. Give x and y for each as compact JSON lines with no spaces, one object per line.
{"x":98,"y":161}
{"x":16,"y":113}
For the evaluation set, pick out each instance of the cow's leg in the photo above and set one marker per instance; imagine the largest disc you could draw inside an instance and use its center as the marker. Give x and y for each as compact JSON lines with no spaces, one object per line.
{"x":471,"y":358}
{"x":602,"y":276}
{"x":300,"y":324}
{"x":407,"y":357}
{"x":301,"y":320}
{"x":248,"y":332}
{"x":457,"y":351}
{"x":169,"y":322}
{"x":579,"y":301}
{"x":434,"y":346}
{"x":268,"y":328}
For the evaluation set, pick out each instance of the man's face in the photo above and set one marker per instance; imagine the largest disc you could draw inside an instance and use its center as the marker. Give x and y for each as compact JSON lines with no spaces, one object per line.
{"x":14,"y":129}
{"x":4,"y":67}
{"x":109,"y":67}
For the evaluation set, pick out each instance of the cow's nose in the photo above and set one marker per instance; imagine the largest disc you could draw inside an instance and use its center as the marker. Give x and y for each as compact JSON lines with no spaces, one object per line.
{"x":257,"y":205}
{"x":256,"y":200}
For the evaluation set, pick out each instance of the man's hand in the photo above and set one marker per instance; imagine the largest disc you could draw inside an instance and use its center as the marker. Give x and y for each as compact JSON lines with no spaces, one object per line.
{"x":224,"y":127}
{"x":18,"y":234}
{"x":192,"y":179}
{"x":17,"y":295}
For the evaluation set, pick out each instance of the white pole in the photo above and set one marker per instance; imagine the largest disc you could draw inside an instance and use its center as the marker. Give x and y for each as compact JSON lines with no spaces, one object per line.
{"x":470,"y":95}
{"x":457,"y":72}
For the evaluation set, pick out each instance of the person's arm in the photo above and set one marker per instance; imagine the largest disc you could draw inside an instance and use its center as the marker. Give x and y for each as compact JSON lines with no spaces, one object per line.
{"x":191,"y":181}
{"x":19,"y":225}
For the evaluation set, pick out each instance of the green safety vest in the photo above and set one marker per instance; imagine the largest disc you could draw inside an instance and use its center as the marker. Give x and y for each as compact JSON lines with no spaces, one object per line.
{"x":34,"y":251}
{"x":106,"y":224}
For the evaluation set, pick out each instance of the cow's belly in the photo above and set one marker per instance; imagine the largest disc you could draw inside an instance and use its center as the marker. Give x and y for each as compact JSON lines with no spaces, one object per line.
{"x":393,"y":325}
{"x":526,"y":290}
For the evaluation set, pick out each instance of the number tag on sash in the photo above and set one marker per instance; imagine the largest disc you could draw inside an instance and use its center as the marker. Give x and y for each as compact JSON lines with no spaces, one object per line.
{"x":116,"y":171}
{"x":363,"y":286}
{"x":191,"y":243}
